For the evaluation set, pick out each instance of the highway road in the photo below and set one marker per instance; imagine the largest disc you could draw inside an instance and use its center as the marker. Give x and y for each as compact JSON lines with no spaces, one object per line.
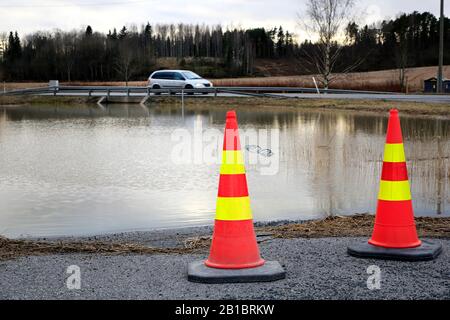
{"x":355,"y":96}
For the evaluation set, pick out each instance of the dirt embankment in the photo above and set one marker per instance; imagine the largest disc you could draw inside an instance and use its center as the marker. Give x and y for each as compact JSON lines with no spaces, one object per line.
{"x":359,"y":225}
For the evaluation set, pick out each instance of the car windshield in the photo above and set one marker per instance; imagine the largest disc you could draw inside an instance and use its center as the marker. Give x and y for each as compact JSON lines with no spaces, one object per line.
{"x":191,"y":75}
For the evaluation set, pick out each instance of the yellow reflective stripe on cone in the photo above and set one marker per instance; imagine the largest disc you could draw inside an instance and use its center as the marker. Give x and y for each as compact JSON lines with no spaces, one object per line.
{"x":236,"y":208}
{"x":232,"y":162}
{"x":232,"y":169}
{"x":394,"y":152}
{"x":394,"y":190}
{"x":232,"y":157}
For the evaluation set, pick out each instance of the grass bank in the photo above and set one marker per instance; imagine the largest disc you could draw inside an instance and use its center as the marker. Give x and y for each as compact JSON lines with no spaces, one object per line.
{"x":407,"y":107}
{"x":48,"y":100}
{"x":352,"y":226}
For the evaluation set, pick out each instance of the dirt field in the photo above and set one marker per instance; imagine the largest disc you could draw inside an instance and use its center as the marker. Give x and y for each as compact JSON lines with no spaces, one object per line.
{"x":386,"y":80}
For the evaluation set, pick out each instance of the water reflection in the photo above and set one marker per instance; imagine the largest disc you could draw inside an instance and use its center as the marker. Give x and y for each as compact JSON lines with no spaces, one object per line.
{"x":86,"y":170}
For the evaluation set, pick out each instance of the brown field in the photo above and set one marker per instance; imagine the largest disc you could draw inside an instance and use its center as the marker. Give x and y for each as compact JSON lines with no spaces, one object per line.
{"x":386,"y":80}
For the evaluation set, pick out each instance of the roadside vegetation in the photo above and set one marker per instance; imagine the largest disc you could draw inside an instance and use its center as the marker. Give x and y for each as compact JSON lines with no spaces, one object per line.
{"x":385,"y":80}
{"x":44,"y":100}
{"x":406,"y":107}
{"x":338,"y":226}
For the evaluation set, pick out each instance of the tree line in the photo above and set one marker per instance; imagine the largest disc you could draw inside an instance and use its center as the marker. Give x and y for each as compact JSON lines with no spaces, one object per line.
{"x":410,"y":40}
{"x":131,"y":53}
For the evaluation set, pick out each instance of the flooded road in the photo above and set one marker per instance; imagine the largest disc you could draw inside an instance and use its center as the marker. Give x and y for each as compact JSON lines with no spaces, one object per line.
{"x":74,"y":170}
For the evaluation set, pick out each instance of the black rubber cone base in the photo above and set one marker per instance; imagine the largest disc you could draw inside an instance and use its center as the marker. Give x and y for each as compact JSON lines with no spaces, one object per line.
{"x":426,"y":251}
{"x":270,"y":271}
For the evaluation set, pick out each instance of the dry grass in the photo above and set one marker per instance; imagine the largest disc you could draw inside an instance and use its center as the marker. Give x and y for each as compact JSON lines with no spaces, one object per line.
{"x":386,"y":80}
{"x":8,"y":86}
{"x":359,"y":225}
{"x":406,"y":107}
{"x":355,"y":226}
{"x":48,"y":100}
{"x":15,"y":248}
{"x":380,"y":106}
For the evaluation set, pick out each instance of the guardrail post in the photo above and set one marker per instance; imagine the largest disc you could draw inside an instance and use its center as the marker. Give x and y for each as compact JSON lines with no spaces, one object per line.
{"x":128,"y":92}
{"x":54,"y":91}
{"x":182,"y":103}
{"x":215,"y":92}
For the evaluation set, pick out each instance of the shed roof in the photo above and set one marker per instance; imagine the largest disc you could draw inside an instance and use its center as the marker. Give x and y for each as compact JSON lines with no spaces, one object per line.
{"x":435,"y":79}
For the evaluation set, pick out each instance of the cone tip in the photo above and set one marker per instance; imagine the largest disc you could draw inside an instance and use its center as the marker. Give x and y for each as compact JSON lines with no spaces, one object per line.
{"x":231,"y":114}
{"x":394,"y":112}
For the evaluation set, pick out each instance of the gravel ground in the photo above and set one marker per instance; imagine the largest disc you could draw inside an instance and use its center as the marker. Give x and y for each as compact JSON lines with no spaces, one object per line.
{"x":316,"y":269}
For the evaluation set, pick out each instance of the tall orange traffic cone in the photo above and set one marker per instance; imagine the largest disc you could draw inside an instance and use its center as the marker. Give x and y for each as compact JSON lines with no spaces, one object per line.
{"x":394,"y":235}
{"x":234,"y":254}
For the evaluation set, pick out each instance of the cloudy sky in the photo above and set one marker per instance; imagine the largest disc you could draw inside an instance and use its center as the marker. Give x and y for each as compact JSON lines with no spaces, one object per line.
{"x":30,"y":15}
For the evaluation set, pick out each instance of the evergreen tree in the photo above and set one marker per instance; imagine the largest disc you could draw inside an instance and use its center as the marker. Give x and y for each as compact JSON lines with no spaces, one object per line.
{"x":280,"y":42}
{"x":89,"y":31}
{"x":123,"y":33}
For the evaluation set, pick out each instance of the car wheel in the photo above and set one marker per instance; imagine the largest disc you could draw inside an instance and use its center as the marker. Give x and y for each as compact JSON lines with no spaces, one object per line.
{"x":189,"y":87}
{"x":157,"y":87}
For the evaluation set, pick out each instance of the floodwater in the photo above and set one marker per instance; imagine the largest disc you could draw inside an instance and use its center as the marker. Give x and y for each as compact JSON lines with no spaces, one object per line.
{"x":89,"y":170}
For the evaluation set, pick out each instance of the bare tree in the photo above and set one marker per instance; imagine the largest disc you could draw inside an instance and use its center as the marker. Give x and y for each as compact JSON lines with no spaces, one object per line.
{"x":401,"y":51}
{"x":68,"y":53}
{"x":125,"y":62}
{"x":326,"y":20}
{"x":3,"y":42}
{"x":401,"y":58}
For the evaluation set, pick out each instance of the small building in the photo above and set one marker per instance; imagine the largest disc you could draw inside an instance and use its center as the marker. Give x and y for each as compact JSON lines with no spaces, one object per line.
{"x":430,"y":85}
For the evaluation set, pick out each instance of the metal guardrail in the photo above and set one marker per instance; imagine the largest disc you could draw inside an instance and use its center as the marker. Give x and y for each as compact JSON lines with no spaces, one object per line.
{"x":275,"y":92}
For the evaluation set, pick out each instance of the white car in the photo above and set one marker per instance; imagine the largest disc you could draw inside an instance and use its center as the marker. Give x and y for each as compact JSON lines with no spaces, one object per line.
{"x":183,"y":79}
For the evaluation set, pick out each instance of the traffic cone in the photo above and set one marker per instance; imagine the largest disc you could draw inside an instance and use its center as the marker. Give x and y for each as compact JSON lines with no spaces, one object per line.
{"x":234,"y":254}
{"x":394,"y":235}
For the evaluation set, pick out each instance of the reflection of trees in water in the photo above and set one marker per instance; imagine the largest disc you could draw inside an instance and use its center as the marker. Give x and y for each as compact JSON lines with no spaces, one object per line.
{"x":340,"y":153}
{"x":428,"y":163}
{"x":441,"y":175}
{"x":346,"y":158}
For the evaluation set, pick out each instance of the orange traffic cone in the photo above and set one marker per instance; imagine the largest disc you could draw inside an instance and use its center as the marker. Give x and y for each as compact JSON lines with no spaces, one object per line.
{"x":234,"y":255}
{"x":395,"y":235}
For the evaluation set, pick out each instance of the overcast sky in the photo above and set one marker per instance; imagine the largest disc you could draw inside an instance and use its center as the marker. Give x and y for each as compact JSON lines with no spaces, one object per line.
{"x":31,"y":15}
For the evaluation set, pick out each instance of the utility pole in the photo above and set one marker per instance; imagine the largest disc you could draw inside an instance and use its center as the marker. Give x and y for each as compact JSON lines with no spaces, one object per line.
{"x":441,"y":49}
